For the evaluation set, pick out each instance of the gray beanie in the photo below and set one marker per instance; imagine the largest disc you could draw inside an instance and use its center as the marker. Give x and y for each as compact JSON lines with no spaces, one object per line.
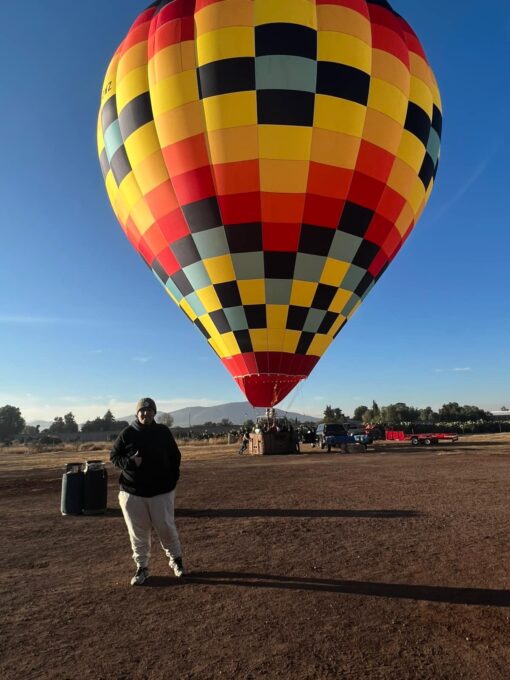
{"x":146,"y":402}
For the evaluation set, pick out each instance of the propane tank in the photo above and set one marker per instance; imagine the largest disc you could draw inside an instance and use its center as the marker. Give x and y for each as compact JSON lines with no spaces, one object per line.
{"x":71,"y":502}
{"x":95,"y":488}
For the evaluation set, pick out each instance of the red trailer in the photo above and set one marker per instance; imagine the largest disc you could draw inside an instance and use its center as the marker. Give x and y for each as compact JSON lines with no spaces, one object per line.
{"x":424,"y":439}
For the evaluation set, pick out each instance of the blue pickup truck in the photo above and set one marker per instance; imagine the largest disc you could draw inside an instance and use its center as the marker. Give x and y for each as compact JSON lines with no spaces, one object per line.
{"x":334,"y":435}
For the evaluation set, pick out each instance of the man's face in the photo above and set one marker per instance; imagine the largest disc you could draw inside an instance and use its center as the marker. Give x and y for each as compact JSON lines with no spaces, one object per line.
{"x":145,"y":416}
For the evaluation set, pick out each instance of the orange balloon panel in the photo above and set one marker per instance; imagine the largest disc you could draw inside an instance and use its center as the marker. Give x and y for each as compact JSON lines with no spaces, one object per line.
{"x":268,"y":160}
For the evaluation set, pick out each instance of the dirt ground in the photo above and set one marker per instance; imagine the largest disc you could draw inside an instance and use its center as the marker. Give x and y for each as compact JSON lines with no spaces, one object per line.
{"x":392,"y":563}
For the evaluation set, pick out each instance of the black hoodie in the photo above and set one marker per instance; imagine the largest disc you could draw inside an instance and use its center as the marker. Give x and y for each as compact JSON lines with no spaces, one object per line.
{"x":159,"y":470}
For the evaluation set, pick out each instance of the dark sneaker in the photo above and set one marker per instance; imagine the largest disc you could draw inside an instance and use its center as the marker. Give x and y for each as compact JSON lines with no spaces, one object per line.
{"x":142,"y":574}
{"x":177,"y":566}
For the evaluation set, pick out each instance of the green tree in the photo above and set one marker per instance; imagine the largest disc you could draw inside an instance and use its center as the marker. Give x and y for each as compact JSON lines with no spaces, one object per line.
{"x":105,"y":424}
{"x":372,"y":415}
{"x":109,"y":420}
{"x":31,"y":430}
{"x":166,"y":419}
{"x":11,"y":421}
{"x":399,"y":413}
{"x":427,"y":415}
{"x":65,"y":424}
{"x":70,"y":423}
{"x":475,"y":413}
{"x":92,"y":425}
{"x":333,"y":415}
{"x":57,"y":426}
{"x":450,"y":413}
{"x":376,"y":412}
{"x":359,"y":412}
{"x":226,"y":422}
{"x":328,"y":414}
{"x":248,"y":424}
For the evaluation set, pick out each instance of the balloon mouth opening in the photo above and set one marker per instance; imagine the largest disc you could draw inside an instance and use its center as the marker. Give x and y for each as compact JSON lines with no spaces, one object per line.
{"x":267,"y":390}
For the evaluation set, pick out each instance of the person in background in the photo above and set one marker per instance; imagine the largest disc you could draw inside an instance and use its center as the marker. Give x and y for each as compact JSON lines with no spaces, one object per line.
{"x":149,"y":460}
{"x":244,"y":442}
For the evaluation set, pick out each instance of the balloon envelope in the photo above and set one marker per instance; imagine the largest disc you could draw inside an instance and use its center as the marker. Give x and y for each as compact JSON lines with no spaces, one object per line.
{"x":268,"y":159}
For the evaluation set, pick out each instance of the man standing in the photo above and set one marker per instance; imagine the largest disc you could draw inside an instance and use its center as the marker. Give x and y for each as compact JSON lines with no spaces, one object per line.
{"x":150,"y":459}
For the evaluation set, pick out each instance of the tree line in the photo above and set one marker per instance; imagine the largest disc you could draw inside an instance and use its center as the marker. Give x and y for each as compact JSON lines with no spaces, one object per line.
{"x":402,"y":413}
{"x":13,"y":424}
{"x":465,"y":418}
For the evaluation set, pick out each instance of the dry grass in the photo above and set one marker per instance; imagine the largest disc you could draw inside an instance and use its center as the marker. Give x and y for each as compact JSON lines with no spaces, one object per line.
{"x":19,"y":458}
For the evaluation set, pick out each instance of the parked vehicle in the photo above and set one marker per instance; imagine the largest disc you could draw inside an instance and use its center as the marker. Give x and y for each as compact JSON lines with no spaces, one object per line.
{"x":354,"y":428}
{"x":306,"y":435}
{"x":329,"y":430}
{"x":335,"y":435}
{"x":427,"y":439}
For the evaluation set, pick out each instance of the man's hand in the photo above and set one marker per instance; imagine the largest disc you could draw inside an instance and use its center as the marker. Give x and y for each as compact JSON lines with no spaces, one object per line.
{"x":137,"y":459}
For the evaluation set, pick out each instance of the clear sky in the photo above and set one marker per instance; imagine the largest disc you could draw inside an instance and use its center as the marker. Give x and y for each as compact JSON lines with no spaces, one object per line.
{"x":84,"y":326}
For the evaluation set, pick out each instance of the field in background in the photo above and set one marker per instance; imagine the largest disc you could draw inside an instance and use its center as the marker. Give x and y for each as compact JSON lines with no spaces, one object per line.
{"x":16,"y":458}
{"x":390,"y":564}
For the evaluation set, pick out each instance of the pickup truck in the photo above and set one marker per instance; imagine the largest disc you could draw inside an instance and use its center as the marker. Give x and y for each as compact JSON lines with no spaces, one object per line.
{"x":334,"y":435}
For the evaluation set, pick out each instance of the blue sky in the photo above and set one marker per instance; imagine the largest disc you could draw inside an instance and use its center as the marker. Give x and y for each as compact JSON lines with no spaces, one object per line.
{"x":85,"y":327}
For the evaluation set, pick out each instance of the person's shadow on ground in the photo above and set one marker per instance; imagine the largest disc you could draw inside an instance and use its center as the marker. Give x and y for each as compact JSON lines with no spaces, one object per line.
{"x":450,"y":595}
{"x":294,"y":512}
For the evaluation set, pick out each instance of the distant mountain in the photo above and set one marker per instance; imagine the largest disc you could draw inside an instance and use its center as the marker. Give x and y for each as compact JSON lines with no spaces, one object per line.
{"x":237,"y":412}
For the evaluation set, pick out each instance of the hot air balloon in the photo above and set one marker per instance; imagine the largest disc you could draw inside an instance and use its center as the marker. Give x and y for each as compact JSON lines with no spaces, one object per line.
{"x":267,"y":159}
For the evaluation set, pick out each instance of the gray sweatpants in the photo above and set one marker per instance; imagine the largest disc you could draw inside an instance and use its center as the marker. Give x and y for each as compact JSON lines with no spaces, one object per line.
{"x":141,"y":514}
